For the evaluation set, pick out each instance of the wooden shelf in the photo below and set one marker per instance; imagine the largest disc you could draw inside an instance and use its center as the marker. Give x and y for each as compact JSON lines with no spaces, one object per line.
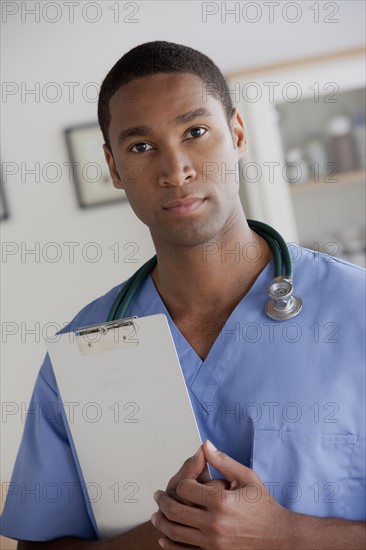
{"x":343,"y":178}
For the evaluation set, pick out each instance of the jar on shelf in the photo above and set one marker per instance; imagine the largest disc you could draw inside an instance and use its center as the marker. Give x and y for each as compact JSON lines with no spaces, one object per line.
{"x":342,"y":147}
{"x":296,"y":168}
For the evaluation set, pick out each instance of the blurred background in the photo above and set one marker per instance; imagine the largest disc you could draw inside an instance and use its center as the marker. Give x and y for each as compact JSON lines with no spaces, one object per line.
{"x":296,"y":71}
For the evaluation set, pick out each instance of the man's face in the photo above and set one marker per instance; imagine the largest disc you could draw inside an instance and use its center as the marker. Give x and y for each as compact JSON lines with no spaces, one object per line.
{"x":175,"y":157}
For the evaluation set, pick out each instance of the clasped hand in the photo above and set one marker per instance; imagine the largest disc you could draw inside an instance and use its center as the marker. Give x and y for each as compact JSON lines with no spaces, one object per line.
{"x":235,"y":513}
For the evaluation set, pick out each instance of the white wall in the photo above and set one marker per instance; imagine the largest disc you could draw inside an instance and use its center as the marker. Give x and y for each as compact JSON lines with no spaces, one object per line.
{"x":43,"y":212}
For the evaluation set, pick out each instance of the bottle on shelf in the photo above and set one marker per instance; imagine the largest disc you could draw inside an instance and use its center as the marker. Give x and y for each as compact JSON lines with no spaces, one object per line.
{"x":296,"y":166}
{"x":316,"y":156}
{"x":342,"y":147}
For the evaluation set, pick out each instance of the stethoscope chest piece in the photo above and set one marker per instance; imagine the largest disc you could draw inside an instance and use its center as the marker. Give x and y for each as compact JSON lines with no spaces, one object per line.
{"x":282,"y":304}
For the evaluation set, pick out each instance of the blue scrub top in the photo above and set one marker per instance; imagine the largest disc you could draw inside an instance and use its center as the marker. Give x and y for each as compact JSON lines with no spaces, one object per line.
{"x":285,"y":398}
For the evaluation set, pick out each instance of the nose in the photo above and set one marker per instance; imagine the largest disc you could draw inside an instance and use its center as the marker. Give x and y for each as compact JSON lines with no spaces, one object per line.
{"x":175,"y":168}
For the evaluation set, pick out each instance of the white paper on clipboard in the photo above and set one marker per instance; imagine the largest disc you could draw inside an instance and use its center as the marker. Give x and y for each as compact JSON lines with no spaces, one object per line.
{"x":133,"y":425}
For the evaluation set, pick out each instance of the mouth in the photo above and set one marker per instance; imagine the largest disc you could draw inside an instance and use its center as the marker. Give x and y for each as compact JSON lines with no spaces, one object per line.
{"x":184,"y":206}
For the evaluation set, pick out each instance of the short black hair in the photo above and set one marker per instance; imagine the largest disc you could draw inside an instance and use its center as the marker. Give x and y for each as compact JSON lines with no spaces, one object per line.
{"x":161,"y":57}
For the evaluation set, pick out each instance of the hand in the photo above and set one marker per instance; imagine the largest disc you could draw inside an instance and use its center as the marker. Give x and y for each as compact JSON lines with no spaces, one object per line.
{"x":212,"y":516}
{"x":194,"y":467}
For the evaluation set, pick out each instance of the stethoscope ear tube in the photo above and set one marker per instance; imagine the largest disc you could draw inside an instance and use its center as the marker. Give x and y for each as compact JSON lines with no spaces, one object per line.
{"x":270,"y":234}
{"x":128,"y":292}
{"x":275,"y":249}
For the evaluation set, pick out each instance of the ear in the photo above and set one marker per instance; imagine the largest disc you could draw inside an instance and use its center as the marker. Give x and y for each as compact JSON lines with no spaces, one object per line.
{"x":238,"y":132}
{"x":117,"y":182}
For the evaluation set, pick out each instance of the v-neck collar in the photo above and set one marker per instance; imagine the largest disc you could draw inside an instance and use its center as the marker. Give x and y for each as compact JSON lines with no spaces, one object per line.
{"x":203,"y":376}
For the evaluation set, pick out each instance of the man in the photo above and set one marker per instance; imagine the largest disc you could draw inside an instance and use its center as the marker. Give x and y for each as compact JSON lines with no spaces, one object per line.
{"x":283,"y":402}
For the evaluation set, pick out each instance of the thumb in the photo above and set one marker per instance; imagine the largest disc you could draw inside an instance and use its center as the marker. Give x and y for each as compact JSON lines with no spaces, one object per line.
{"x":229,"y":468}
{"x":192,"y":468}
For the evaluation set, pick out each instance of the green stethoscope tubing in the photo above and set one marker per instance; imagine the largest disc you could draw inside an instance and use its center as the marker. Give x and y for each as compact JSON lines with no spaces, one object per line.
{"x":281,"y":257}
{"x":278,"y":246}
{"x":128,"y":292}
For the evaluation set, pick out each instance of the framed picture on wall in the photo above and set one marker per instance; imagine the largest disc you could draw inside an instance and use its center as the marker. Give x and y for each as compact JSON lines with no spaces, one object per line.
{"x":4,"y":212}
{"x":93,"y":184}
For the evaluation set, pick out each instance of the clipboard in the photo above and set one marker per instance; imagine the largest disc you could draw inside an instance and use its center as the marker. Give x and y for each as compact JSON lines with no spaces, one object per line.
{"x":128,"y":414}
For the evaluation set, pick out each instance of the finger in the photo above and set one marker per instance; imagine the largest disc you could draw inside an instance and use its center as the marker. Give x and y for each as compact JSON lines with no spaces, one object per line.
{"x":229,"y":468}
{"x":180,"y":513}
{"x":192,"y":468}
{"x":207,"y":495}
{"x":205,"y":476}
{"x":177,"y":532}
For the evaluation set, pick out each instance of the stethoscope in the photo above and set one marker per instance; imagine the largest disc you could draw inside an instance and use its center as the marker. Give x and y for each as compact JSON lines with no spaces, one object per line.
{"x":282,"y":304}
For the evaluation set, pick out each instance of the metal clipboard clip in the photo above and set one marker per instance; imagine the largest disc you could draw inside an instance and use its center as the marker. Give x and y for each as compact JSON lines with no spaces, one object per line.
{"x":121,"y":333}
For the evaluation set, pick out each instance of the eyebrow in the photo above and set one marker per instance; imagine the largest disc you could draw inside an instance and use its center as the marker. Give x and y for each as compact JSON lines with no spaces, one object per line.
{"x":140,"y":131}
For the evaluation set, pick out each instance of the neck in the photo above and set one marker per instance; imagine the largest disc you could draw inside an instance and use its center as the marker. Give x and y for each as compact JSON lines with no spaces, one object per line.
{"x":213,"y":276}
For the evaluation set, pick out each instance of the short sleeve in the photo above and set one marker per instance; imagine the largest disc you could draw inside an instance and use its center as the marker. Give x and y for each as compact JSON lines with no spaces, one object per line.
{"x":45,"y":499}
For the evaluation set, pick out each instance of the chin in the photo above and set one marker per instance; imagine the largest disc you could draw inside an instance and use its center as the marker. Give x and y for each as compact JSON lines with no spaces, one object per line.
{"x":189,"y":236}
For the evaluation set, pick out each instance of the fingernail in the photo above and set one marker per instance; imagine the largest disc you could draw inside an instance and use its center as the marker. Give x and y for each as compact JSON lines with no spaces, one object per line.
{"x":211,"y":446}
{"x":156,"y":496}
{"x":161,"y":542}
{"x":153,"y":519}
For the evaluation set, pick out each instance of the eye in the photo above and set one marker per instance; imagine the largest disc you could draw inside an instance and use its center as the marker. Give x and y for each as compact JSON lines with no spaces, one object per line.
{"x":141,"y":147}
{"x":197,"y":131}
